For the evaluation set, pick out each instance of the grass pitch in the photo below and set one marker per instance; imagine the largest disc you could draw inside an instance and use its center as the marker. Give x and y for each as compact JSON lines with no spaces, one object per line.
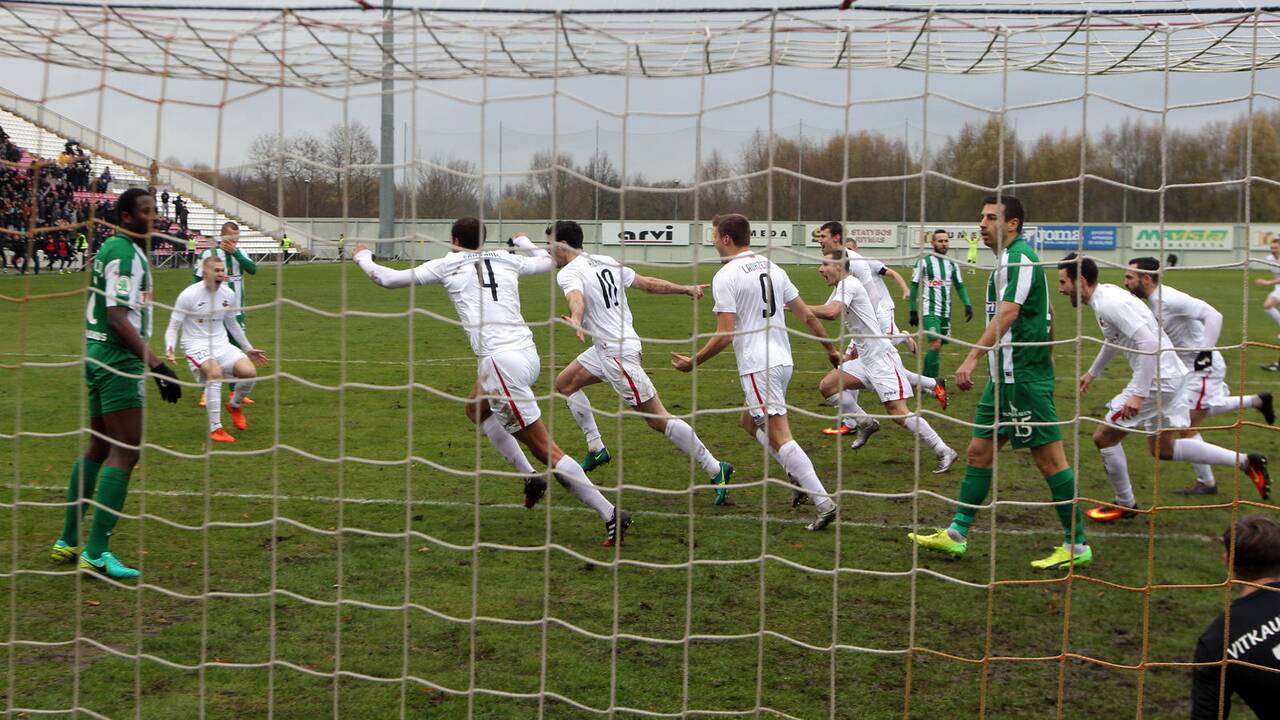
{"x":271,"y":568}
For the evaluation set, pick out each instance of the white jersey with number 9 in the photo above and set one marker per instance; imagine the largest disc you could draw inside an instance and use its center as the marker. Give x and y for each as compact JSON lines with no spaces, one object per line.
{"x":756,"y":290}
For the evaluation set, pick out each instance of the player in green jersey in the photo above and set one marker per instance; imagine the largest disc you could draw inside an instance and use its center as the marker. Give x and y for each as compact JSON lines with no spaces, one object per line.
{"x":931,"y":292}
{"x":1017,"y":403}
{"x":117,"y":326}
{"x":238,"y":265}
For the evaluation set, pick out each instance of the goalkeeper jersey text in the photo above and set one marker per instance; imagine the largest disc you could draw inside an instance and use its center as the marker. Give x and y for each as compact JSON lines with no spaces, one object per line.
{"x":603,"y":282}
{"x":1019,"y":279}
{"x":934,"y":277}
{"x":121,"y":278}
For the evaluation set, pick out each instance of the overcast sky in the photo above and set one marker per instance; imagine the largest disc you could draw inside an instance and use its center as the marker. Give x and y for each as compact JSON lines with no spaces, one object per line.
{"x":660,"y":148}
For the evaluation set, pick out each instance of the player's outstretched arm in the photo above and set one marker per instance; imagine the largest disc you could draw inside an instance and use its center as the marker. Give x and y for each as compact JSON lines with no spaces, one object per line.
{"x":810,"y":319}
{"x":1006,"y":313}
{"x":539,"y":260}
{"x":830,"y":311}
{"x":726,"y":324}
{"x":384,"y":276}
{"x":658,"y":286}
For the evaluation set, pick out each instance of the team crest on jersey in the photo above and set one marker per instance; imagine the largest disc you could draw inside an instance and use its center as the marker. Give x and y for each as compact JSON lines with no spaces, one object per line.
{"x":124,"y":286}
{"x":226,"y":304}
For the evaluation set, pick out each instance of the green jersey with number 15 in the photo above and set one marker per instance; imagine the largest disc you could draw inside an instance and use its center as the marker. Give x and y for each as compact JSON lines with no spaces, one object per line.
{"x":121,"y":278}
{"x":1019,"y":279}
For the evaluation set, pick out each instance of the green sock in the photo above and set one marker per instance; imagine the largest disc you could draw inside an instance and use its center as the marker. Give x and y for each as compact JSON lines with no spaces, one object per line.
{"x":973,"y":490}
{"x":113,"y":488}
{"x":1062,"y":486}
{"x":933,"y":363}
{"x":76,"y":508}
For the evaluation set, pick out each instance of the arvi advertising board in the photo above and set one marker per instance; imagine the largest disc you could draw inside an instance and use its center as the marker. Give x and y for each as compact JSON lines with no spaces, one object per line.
{"x":868,"y":235}
{"x":1068,"y":237}
{"x":777,"y":234}
{"x":1205,"y":236}
{"x":644,"y":232}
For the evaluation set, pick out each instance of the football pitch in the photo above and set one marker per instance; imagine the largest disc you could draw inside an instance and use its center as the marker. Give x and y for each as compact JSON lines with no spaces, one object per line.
{"x":348,"y":531}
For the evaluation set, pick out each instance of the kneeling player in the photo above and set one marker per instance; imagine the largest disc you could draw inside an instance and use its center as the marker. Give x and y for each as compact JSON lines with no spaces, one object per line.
{"x":1148,"y":402}
{"x":596,"y":288}
{"x":205,"y":314}
{"x":877,"y":367}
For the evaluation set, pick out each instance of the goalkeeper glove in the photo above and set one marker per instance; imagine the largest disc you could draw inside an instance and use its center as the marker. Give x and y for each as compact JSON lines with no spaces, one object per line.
{"x":167,"y":381}
{"x":913,"y":318}
{"x":968,"y":313}
{"x":1204,"y":359}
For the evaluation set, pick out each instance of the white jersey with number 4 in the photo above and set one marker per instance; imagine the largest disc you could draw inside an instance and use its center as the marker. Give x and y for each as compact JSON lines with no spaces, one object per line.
{"x":756,"y":290}
{"x":603,"y":282}
{"x":485,"y":290}
{"x":201,"y":316}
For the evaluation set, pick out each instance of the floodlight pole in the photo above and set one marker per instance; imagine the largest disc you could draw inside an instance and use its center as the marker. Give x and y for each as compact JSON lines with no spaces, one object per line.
{"x":387,"y":187}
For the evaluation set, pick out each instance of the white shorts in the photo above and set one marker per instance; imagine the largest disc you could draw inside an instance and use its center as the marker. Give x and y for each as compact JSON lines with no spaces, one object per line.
{"x":1205,"y":388}
{"x":624,"y":373}
{"x":1275,"y":293}
{"x":884,"y":375}
{"x":766,"y":392}
{"x":225,"y":355}
{"x":1159,"y":411}
{"x":506,"y":380}
{"x":889,"y":327}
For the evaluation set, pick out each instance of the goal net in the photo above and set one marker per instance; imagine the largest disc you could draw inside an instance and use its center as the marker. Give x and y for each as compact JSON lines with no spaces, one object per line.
{"x":362,"y":548}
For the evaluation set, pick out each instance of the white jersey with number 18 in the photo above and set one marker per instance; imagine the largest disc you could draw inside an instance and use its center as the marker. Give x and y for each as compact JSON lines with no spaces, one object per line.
{"x":756,"y":290}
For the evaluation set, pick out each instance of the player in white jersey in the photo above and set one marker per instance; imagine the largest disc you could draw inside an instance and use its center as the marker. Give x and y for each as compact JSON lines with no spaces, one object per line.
{"x":596,"y":288}
{"x":1271,"y":306}
{"x":239,"y":266}
{"x":750,"y":293}
{"x":1194,"y":327}
{"x":1155,"y":399}
{"x":485,"y":289}
{"x":205,"y":316}
{"x":875,"y":365}
{"x":869,"y":272}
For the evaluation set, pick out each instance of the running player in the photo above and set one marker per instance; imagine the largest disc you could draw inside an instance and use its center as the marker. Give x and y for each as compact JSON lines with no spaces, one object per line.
{"x":485,"y":289}
{"x":1271,"y":306}
{"x":1194,"y":326}
{"x":749,"y":291}
{"x":205,"y":315}
{"x":931,"y":286}
{"x":1155,"y":400}
{"x":118,"y":323}
{"x":1019,"y":392}
{"x":238,"y":265}
{"x":877,"y":367}
{"x":596,"y":288}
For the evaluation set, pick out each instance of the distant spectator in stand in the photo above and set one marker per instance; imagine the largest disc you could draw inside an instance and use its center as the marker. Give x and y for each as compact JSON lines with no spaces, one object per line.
{"x":104,"y":180}
{"x":153,"y":175}
{"x":192,"y":243}
{"x":287,"y":245}
{"x":180,"y":212}
{"x":164,"y":203}
{"x":82,"y":249}
{"x":1254,"y":629}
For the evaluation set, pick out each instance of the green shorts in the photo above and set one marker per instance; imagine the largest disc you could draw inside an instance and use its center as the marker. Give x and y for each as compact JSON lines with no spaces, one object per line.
{"x":1019,"y":403}
{"x":938,"y":326}
{"x":108,"y":391}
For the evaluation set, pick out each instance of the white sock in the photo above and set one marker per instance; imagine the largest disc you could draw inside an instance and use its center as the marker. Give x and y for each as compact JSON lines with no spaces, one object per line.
{"x":571,"y":476}
{"x":213,"y":403}
{"x":1198,"y":451}
{"x":924,"y":383}
{"x":1204,"y":473}
{"x":506,"y":445}
{"x":680,"y":433}
{"x":1117,"y":466}
{"x":243,"y":388}
{"x":851,"y":413}
{"x":580,"y":408}
{"x":1274,"y":314}
{"x":1234,"y":403}
{"x":799,"y":466}
{"x":763,"y":438}
{"x":921,"y":427}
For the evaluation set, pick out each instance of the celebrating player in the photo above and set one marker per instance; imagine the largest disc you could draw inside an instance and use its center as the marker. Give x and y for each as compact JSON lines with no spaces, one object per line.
{"x":238,"y":265}
{"x":877,"y":367}
{"x":931,"y":286}
{"x":1271,"y":306}
{"x":596,"y":288}
{"x":206,"y":315}
{"x":869,"y":272}
{"x":1194,"y":325}
{"x":748,"y":291}
{"x":118,"y":323}
{"x":1154,"y":400}
{"x":972,"y":256}
{"x":1020,"y":391}
{"x":485,"y":289}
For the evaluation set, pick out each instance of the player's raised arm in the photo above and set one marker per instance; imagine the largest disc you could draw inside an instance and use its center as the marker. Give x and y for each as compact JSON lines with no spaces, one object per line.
{"x":658,"y":286}
{"x":387,"y":277}
{"x":539,"y":260}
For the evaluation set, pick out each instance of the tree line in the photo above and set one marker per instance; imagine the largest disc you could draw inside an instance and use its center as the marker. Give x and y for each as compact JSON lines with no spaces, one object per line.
{"x":295,"y":176}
